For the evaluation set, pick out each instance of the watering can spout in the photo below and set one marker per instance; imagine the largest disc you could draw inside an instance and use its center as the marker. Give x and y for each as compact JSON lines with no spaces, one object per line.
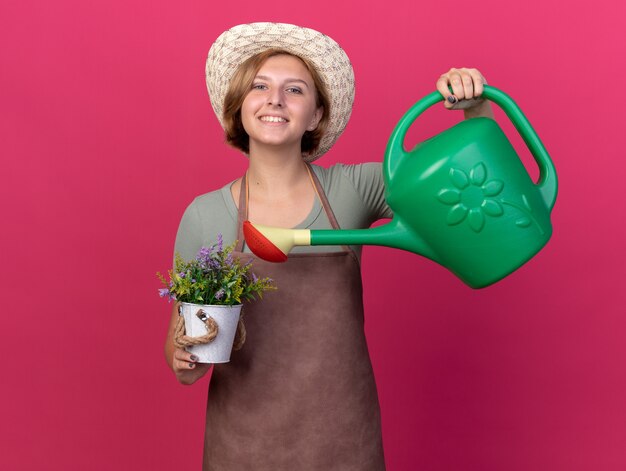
{"x":273,"y":244}
{"x":394,"y":234}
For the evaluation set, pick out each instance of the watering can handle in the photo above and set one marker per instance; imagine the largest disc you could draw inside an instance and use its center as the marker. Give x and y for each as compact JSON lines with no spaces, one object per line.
{"x":547,"y":183}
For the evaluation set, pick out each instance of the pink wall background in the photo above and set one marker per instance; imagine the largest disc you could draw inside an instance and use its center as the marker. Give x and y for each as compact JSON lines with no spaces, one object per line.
{"x":107,"y":135}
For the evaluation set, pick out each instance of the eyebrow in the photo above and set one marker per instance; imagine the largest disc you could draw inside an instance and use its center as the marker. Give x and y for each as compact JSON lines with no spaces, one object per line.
{"x":289,"y":80}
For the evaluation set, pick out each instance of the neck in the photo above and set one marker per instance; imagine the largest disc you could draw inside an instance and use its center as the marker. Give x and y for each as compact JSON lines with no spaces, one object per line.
{"x":276,"y":173}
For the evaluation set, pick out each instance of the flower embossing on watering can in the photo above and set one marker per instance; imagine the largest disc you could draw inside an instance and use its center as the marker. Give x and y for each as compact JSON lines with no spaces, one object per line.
{"x":474,"y":198}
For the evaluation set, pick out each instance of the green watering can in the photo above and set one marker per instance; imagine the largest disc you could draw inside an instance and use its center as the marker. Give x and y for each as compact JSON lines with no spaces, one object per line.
{"x":462,"y":199}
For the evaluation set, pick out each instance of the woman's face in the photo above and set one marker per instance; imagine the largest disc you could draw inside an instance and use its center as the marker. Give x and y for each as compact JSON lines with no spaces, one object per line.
{"x":281,"y":105}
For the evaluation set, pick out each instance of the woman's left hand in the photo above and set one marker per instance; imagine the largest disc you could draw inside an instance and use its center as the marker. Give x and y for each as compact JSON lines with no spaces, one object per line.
{"x":467,"y":87}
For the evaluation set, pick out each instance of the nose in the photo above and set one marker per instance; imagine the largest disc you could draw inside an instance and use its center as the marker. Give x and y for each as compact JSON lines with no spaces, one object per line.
{"x":275,"y":98}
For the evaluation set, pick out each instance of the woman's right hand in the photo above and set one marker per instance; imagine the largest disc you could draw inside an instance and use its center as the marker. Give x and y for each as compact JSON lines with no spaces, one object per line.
{"x":186,"y":367}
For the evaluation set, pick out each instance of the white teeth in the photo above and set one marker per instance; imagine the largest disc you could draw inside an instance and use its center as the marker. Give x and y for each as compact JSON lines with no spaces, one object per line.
{"x":273,"y":119}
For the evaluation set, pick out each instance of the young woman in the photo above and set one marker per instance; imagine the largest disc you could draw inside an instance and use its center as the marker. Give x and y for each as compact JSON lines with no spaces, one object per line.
{"x":301,"y":393}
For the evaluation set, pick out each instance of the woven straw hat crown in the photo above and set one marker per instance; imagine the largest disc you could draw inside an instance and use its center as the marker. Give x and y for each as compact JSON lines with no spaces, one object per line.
{"x":241,"y":42}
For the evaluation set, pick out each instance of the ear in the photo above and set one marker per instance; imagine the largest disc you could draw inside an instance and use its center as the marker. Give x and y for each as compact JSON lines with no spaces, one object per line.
{"x":316,"y":119}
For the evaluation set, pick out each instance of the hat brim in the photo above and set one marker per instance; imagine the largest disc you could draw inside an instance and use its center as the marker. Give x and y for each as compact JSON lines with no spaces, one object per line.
{"x":241,"y":42}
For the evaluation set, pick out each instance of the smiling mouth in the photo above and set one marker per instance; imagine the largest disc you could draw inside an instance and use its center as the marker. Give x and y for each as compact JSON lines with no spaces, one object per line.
{"x":272,"y":119}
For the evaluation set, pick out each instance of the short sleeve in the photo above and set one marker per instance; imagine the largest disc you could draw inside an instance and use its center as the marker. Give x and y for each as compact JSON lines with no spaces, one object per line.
{"x":369,"y":183}
{"x":189,"y":235}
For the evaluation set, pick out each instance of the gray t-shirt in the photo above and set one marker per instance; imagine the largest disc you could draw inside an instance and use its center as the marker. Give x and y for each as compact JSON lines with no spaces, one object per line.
{"x":356,"y":194}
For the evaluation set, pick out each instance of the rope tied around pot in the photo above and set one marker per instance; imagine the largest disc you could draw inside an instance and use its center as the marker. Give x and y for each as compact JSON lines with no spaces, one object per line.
{"x":181,"y":340}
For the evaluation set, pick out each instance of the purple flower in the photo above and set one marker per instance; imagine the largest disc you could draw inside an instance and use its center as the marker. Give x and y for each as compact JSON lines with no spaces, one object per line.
{"x":220,"y":294}
{"x":204,"y":255}
{"x":182,"y":274}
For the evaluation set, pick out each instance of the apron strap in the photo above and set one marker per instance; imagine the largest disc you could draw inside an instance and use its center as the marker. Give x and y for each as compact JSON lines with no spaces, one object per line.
{"x":322,"y":197}
{"x":242,"y":213}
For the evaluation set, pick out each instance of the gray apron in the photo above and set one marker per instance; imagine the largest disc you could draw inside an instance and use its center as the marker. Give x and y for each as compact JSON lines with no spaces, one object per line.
{"x":300,"y":394}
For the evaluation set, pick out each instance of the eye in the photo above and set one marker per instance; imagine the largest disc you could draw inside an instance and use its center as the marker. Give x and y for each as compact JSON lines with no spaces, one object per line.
{"x":259,"y":86}
{"x":295,"y":90}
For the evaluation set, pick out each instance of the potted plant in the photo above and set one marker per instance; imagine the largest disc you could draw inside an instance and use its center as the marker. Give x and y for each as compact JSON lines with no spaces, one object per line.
{"x":210,"y":290}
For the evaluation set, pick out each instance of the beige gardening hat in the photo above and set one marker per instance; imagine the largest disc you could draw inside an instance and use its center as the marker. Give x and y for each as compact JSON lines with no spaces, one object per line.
{"x":241,"y":42}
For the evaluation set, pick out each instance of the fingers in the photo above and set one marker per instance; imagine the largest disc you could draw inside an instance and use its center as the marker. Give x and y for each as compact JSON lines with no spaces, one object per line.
{"x":478,"y":81}
{"x":187,"y":368}
{"x":442,"y":87}
{"x":183,"y":360}
{"x":466,"y":84}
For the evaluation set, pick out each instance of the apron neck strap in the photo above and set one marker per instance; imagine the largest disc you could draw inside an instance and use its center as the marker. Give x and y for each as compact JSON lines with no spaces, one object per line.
{"x":242,"y":213}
